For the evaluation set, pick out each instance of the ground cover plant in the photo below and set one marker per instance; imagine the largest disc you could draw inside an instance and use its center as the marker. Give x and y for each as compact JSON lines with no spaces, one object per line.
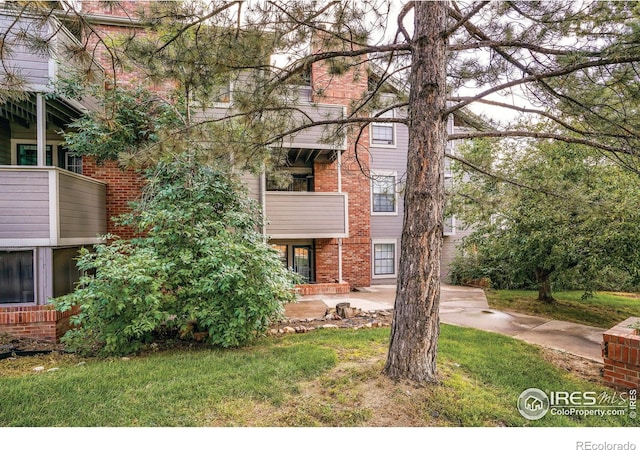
{"x":321,"y":378}
{"x":602,"y":309}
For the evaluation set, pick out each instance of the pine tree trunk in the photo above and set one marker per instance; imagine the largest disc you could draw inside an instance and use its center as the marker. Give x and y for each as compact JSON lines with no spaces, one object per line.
{"x":416,"y":324}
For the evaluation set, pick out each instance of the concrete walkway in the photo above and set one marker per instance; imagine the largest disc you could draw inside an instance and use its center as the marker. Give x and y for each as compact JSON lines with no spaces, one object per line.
{"x":468,"y":307}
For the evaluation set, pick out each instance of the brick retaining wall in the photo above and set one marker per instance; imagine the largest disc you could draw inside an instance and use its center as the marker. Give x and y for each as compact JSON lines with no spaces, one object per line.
{"x":621,"y":353}
{"x":34,"y":322}
{"x":322,"y":288}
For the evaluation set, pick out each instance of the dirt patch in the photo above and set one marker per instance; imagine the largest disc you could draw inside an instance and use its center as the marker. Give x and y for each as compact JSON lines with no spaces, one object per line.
{"x":583,"y":368}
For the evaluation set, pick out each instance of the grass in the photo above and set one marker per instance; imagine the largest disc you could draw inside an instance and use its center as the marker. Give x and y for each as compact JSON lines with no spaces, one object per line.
{"x":323,"y":378}
{"x":603,"y":310}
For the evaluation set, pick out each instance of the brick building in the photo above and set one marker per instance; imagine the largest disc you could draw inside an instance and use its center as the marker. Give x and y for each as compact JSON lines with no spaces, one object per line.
{"x":338,"y":223}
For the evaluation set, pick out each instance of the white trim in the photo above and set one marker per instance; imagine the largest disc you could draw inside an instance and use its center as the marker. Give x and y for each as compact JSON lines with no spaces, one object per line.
{"x":81,"y":241}
{"x":453,"y":228}
{"x":17,"y":168}
{"x":384,"y":173}
{"x":339,"y":260}
{"x":54,"y":152}
{"x":339,"y":162}
{"x":308,"y":236}
{"x":373,"y":258}
{"x":53,"y":66}
{"x":30,"y":242}
{"x":54,"y":210}
{"x":394,"y":130}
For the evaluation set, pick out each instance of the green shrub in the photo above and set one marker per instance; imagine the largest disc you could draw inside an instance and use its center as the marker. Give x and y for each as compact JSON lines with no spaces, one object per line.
{"x":199,"y":265}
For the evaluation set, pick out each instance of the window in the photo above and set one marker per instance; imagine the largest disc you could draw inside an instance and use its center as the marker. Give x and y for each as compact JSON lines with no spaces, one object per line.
{"x":384,"y":259}
{"x":28,"y":155}
{"x":222,"y":93}
{"x":297,"y":182}
{"x":383,"y":133}
{"x":383,"y":190}
{"x":71,"y":162}
{"x":16,"y":277}
{"x":282,"y":253}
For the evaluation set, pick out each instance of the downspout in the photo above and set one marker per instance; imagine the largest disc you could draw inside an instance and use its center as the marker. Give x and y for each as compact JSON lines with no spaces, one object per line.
{"x":41,"y":130}
{"x":339,"y":159}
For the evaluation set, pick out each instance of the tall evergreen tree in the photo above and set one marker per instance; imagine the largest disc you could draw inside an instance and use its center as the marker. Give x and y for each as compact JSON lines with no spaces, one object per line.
{"x":501,"y":50}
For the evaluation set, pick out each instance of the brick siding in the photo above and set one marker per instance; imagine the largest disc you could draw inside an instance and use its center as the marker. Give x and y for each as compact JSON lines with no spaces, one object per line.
{"x":621,"y":354}
{"x":343,"y":89}
{"x":35,"y":322}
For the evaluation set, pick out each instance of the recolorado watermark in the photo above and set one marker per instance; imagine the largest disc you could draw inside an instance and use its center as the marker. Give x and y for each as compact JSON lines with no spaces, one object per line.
{"x":534,"y":404}
{"x":588,"y":445}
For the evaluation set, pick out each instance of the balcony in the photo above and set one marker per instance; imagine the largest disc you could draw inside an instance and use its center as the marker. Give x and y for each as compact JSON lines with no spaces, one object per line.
{"x":28,"y":69}
{"x":307,"y":215}
{"x":50,"y":207}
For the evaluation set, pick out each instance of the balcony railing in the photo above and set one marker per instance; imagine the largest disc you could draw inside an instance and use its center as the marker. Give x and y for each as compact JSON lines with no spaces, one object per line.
{"x":50,"y":207}
{"x":307,"y":215}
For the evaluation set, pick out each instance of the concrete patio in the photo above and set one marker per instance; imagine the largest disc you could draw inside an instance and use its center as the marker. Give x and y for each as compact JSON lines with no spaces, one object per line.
{"x":468,"y":307}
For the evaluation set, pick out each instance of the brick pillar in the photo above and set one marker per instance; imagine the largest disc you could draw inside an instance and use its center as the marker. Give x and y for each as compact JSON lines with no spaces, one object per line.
{"x":621,"y":354}
{"x":343,"y":89}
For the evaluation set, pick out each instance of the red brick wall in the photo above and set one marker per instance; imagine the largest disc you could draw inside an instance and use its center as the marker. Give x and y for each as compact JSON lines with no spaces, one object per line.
{"x":123,"y":186}
{"x":342,"y":89}
{"x":621,"y":353}
{"x":34,"y":322}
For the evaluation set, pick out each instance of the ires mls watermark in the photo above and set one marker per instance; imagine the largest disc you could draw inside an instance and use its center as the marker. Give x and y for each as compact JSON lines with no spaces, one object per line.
{"x":534,"y":404}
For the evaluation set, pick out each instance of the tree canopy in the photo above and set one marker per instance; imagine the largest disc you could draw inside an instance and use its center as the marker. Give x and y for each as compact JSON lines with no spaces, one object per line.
{"x":567,"y":217}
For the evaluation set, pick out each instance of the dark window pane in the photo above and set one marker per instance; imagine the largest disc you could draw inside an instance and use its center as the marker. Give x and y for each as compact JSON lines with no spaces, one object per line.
{"x":16,"y":277}
{"x":384,"y":193}
{"x":28,"y":155}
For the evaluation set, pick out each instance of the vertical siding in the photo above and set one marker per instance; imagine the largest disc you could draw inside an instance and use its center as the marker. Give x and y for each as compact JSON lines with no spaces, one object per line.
{"x":24,"y":204}
{"x":82,"y":207}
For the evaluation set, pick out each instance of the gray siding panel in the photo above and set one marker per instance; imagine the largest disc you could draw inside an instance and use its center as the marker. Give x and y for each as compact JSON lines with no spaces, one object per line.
{"x":314,"y":137}
{"x":449,"y":246}
{"x":82,"y":207}
{"x":34,"y":67}
{"x":306,"y":214}
{"x":24,"y":205}
{"x":252,"y":182}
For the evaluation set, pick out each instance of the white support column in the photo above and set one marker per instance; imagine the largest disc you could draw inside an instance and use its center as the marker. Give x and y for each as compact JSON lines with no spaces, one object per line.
{"x":41,"y":129}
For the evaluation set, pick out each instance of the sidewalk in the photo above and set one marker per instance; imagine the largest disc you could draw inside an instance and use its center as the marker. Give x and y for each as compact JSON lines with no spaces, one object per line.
{"x":468,"y":307}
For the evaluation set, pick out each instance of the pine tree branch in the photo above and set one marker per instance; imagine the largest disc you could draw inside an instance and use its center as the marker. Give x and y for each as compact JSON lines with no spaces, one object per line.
{"x":541,"y":135}
{"x":462,"y":20}
{"x":495,"y":176}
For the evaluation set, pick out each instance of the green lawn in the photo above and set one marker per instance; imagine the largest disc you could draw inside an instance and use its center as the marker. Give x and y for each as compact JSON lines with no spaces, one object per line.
{"x":604,"y":309}
{"x":322,"y":378}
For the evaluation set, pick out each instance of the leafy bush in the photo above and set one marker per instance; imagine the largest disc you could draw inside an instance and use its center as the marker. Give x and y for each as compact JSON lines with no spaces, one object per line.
{"x":199,"y":264}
